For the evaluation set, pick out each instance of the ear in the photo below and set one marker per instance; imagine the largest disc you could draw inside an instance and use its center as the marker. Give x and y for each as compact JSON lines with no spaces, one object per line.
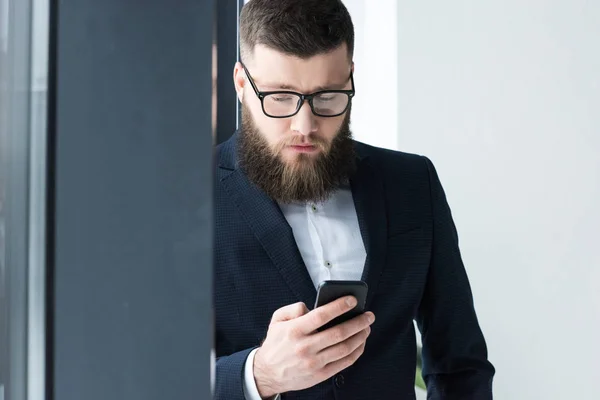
{"x":239,"y":80}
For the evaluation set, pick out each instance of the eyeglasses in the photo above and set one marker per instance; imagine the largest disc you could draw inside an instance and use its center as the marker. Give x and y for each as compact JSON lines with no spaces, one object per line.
{"x":285,"y":104}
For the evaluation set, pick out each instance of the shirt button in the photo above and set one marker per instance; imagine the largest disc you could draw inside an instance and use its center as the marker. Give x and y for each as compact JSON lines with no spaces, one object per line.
{"x":314,"y":208}
{"x":328,"y":264}
{"x":339,"y":381}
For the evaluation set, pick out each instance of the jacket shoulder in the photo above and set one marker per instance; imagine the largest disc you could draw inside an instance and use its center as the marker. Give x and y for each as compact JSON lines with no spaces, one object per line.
{"x":389,"y":161}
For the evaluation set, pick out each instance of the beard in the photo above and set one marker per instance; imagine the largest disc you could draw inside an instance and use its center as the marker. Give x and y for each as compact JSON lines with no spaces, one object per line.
{"x":307,"y":178}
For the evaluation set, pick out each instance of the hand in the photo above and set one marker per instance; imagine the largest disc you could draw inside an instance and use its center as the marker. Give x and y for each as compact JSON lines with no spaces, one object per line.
{"x":294,"y":356}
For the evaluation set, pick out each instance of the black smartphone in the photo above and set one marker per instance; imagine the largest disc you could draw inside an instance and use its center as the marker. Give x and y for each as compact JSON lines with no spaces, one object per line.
{"x":329,"y":291}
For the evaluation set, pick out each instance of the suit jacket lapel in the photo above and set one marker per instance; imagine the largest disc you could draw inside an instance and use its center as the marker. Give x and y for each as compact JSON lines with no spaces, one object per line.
{"x":267,"y":222}
{"x":368,"y":193}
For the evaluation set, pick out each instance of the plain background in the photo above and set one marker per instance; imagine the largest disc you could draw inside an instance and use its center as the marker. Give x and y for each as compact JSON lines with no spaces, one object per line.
{"x":505,"y":99}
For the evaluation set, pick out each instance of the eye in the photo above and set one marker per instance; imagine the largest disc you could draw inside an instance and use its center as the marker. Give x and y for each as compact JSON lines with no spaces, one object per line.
{"x":325,"y":97}
{"x":283,"y":98}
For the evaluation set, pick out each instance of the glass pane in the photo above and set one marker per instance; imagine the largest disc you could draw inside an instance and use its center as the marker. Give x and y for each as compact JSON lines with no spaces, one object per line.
{"x":14,"y":100}
{"x":23,"y":72}
{"x":3,"y":183}
{"x":3,"y":162}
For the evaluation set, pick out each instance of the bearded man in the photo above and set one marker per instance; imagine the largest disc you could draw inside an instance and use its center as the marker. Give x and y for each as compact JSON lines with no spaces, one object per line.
{"x":299,"y":202}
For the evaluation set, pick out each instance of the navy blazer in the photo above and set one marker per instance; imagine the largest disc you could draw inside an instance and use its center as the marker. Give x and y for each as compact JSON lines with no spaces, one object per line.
{"x":413,"y":269}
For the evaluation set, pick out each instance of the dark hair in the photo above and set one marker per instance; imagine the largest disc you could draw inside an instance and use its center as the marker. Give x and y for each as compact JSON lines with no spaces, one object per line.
{"x":302,"y":28}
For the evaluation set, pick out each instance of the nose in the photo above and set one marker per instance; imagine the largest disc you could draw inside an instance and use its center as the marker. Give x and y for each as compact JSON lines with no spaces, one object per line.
{"x":304,"y":121}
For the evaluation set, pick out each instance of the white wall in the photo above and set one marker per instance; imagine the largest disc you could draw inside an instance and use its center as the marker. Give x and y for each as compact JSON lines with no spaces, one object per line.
{"x":374,"y":109}
{"x":505,"y":98}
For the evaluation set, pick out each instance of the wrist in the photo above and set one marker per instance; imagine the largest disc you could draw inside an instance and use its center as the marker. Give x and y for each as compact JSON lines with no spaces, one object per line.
{"x":265,"y":385}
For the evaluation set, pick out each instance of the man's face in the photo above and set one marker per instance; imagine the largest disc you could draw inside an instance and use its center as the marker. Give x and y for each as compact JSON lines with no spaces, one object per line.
{"x":303,"y":157}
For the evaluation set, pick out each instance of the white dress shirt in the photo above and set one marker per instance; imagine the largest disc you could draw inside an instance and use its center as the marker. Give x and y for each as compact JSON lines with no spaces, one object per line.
{"x":328,"y":237}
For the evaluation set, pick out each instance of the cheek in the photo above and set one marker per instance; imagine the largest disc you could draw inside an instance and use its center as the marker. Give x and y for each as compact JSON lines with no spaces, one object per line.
{"x":330,"y":127}
{"x":274,"y":130}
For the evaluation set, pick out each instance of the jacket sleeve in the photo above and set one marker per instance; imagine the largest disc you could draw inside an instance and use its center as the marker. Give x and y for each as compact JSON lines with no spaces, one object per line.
{"x":229,"y":382}
{"x":455,"y":360}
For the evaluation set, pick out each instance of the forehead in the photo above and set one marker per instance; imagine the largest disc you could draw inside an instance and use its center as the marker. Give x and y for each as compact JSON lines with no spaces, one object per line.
{"x":271,"y":68}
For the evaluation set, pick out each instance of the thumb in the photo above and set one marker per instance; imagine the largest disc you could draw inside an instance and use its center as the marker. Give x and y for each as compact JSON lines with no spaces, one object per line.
{"x":289,"y":312}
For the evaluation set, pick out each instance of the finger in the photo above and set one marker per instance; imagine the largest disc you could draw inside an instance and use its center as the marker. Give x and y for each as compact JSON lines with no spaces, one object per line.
{"x":322,"y":315}
{"x":339,"y":333}
{"x":333,"y":368}
{"x":343,"y":349}
{"x":289,"y":312}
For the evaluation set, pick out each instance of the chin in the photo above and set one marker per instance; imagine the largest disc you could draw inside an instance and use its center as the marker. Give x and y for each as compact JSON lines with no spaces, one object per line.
{"x":293,"y":158}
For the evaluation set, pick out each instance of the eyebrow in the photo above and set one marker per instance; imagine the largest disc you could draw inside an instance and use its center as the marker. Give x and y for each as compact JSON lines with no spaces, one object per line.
{"x":282,"y":86}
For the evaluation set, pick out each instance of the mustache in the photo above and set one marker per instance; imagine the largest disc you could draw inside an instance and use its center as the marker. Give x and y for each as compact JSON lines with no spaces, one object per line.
{"x":301,"y":141}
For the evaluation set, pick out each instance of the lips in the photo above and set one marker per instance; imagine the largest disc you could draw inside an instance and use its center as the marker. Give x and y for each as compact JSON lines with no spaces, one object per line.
{"x":304,"y":148}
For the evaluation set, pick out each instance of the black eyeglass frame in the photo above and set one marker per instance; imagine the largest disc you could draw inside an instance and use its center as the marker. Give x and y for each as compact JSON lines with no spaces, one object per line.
{"x":303,"y":97}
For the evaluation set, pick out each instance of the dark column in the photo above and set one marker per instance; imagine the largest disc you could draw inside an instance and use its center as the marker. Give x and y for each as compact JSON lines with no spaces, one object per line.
{"x":130,"y":250}
{"x":227,"y":55}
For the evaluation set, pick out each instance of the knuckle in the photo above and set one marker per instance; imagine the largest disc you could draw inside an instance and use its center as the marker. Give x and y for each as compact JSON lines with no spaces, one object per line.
{"x":362,"y":348}
{"x":294,"y":332}
{"x":348,"y":361}
{"x":311,"y":364}
{"x":298,"y":308}
{"x":359,"y":352}
{"x":301,"y":351}
{"x":345,"y":349}
{"x":277,"y":315}
{"x":319,"y":319}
